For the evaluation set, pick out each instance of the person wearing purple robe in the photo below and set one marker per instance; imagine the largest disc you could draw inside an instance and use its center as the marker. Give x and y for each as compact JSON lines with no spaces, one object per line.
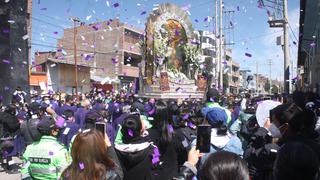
{"x":80,"y":115}
{"x":70,"y":128}
{"x":67,"y":106}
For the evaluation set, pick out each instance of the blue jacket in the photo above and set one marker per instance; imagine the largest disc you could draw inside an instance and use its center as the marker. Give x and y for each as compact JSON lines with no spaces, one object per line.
{"x":229,"y":142}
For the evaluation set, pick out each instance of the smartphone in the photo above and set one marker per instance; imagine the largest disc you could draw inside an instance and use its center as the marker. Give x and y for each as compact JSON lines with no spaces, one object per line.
{"x":203,"y":138}
{"x":101,"y":127}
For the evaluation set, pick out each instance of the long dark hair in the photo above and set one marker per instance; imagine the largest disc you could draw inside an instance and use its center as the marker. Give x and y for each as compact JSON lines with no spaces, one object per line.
{"x":224,"y":165}
{"x":89,"y":158}
{"x":161,"y":122}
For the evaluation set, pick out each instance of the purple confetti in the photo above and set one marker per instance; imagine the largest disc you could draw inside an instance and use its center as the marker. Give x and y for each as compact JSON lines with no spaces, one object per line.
{"x":87,"y":58}
{"x":259,"y":5}
{"x":185,"y":117}
{"x":177,"y":32}
{"x":191,"y":125}
{"x":225,"y":62}
{"x":6,"y":61}
{"x":231,"y":24}
{"x":59,"y":50}
{"x":196,"y":20}
{"x":6,"y":31}
{"x":6,"y":88}
{"x":295,"y":43}
{"x":114,"y":61}
{"x":238,"y":8}
{"x":205,"y":19}
{"x":268,"y":12}
{"x":170,"y":128}
{"x":130,"y":132}
{"x":143,"y":13}
{"x":55,"y":33}
{"x":248,"y":54}
{"x":116,"y":5}
{"x":81,"y":166}
{"x":50,"y":153}
{"x":155,"y":155}
{"x":43,"y":9}
{"x":313,"y":44}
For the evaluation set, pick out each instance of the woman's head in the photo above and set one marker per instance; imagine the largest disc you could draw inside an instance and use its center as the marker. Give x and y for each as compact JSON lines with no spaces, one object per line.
{"x":162,"y":122}
{"x":131,"y":128}
{"x":89,"y":158}
{"x":224,"y":165}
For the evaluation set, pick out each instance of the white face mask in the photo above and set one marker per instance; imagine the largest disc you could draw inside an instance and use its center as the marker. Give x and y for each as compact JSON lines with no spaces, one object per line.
{"x":275,"y":132}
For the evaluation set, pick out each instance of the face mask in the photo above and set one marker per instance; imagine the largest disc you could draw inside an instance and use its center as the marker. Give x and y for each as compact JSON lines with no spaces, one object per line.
{"x":275,"y":132}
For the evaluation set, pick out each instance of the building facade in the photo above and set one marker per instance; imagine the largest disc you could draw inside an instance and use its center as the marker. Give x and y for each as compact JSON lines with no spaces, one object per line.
{"x":309,"y":47}
{"x":110,"y":47}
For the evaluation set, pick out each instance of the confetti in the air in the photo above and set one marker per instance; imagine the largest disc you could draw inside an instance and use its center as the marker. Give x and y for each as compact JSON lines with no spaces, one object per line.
{"x":248,"y":54}
{"x":116,"y":5}
{"x":143,"y":13}
{"x":25,"y":37}
{"x":55,"y":33}
{"x":11,"y":21}
{"x":43,"y":9}
{"x":108,"y":4}
{"x":88,"y":17}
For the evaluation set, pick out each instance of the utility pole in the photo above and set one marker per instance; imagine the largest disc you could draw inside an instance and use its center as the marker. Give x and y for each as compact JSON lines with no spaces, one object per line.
{"x":220,"y":48}
{"x":75,"y":20}
{"x":218,"y":64}
{"x":287,"y":83}
{"x":283,"y":23}
{"x":270,"y":80}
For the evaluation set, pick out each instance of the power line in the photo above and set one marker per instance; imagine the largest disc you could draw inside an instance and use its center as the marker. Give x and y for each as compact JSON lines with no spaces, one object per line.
{"x":45,"y":22}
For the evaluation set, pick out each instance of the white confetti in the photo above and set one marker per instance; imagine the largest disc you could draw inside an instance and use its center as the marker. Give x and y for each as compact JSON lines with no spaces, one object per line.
{"x":19,"y":49}
{"x":82,"y":37}
{"x":138,"y":4}
{"x":110,"y":28}
{"x":11,"y":21}
{"x":6,"y":1}
{"x":108,"y":3}
{"x":52,"y":65}
{"x":93,"y":11}
{"x":88,"y":18}
{"x":25,"y":37}
{"x":24,"y":62}
{"x":102,"y":37}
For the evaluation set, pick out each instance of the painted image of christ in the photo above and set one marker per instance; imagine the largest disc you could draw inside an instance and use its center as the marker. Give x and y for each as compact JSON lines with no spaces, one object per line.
{"x":177,"y":37}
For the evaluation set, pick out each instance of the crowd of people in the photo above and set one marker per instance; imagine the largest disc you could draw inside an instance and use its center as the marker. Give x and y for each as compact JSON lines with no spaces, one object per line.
{"x":117,"y":135}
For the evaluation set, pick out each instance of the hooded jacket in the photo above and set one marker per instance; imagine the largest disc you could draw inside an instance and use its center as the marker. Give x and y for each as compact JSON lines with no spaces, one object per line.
{"x":228,"y":142}
{"x":136,"y":160}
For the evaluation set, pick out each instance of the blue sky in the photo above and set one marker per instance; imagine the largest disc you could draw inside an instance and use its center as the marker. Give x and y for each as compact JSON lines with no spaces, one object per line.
{"x":251,"y":32}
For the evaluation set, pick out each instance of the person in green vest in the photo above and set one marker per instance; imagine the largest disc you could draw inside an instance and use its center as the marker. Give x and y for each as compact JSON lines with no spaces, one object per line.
{"x":46,"y":158}
{"x":213,"y":98}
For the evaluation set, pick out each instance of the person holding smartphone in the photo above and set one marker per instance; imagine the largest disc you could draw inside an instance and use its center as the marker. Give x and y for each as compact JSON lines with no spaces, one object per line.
{"x":220,"y":137}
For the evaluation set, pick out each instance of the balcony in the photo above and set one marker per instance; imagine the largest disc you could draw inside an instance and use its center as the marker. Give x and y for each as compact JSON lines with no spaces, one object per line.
{"x":130,"y":71}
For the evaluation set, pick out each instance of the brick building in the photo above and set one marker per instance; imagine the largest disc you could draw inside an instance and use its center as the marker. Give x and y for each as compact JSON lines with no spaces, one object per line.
{"x":110,"y":47}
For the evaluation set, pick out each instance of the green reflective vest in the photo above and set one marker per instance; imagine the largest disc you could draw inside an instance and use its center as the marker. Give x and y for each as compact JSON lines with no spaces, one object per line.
{"x":45,"y":159}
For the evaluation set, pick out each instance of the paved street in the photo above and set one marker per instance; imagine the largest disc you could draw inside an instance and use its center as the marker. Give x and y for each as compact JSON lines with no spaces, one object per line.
{"x":5,"y":176}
